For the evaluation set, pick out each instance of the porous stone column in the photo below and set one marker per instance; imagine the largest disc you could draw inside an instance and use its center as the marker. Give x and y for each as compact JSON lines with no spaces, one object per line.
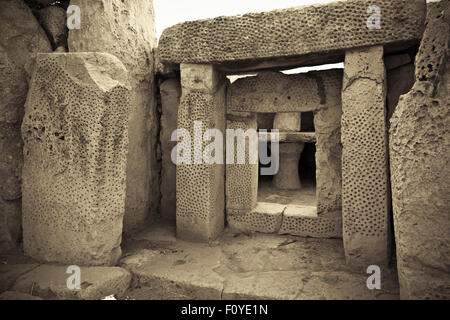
{"x":126,"y":29}
{"x":242,"y":178}
{"x":287,"y":177}
{"x":365,"y":199}
{"x":327,"y":124}
{"x":420,"y":157}
{"x":75,"y":133}
{"x":200,"y":186}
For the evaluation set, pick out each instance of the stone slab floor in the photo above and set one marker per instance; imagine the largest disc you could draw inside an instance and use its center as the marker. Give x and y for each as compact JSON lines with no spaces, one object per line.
{"x":245,"y":266}
{"x":155,"y":265}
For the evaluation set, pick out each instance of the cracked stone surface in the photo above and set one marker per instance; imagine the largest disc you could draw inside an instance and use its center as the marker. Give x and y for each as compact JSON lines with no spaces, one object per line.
{"x":50,"y":282}
{"x":245,"y":266}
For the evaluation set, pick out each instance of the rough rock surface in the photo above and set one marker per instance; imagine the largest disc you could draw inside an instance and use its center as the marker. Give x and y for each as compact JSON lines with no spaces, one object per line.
{"x":126,"y":29}
{"x":50,"y":282}
{"x":21,"y":36}
{"x":248,"y":266}
{"x":75,"y":133}
{"x":170,"y":100}
{"x":292,"y":32}
{"x":241,"y":185}
{"x":53,"y":20}
{"x":365,"y":198}
{"x":9,"y":273}
{"x":200,"y":186}
{"x":13,"y":295}
{"x":420,"y":156}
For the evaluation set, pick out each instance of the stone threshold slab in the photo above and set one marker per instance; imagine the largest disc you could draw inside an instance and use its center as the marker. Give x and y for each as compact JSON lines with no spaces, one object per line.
{"x":286,"y":219}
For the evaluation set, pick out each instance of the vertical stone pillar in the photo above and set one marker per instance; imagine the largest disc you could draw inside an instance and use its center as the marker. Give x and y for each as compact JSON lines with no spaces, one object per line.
{"x":242,"y":179}
{"x":126,"y":29}
{"x":201,"y":186}
{"x":287,"y":177}
{"x":75,"y":133}
{"x":420,"y":172}
{"x":365,"y":200}
{"x":170,"y":99}
{"x":327,"y":124}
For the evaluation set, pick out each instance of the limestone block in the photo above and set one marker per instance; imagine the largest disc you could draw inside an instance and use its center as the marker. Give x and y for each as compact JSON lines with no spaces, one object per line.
{"x":50,"y":282}
{"x":293,"y":32}
{"x":365,"y":199}
{"x":276,"y":92}
{"x":420,"y":154}
{"x":53,"y":19}
{"x":200,"y":186}
{"x":75,"y":134}
{"x":303,"y":221}
{"x":21,"y":36}
{"x":12,"y":295}
{"x":265,"y":217}
{"x":288,"y":121}
{"x":242,"y":179}
{"x":170,"y":100}
{"x":126,"y":29}
{"x":327,"y":124}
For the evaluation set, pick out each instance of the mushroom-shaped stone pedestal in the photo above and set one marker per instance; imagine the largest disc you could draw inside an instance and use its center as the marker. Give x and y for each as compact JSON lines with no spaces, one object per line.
{"x":289,"y":152}
{"x":287,"y":177}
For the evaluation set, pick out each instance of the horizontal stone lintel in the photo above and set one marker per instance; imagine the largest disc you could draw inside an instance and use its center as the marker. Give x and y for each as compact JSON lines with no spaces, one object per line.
{"x":293,"y":32}
{"x":306,"y":137}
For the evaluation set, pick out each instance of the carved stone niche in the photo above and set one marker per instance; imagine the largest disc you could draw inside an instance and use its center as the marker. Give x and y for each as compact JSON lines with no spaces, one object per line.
{"x":285,"y":206}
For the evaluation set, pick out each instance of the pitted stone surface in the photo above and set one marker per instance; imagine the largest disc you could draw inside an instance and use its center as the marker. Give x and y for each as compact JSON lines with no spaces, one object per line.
{"x":365,"y":205}
{"x":327,"y":124}
{"x":292,"y":32}
{"x":304,"y":221}
{"x":75,"y":134}
{"x":277,"y":92}
{"x":242,"y":179}
{"x":420,"y":154}
{"x":200,"y":186}
{"x":126,"y":29}
{"x":265,"y":217}
{"x":21,"y":36}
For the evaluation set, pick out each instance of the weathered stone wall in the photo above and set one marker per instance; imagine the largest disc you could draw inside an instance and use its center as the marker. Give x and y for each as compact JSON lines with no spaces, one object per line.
{"x":420,"y":157}
{"x":126,"y":29}
{"x":201,"y":187}
{"x":242,"y":178}
{"x":291,"y":32}
{"x":21,"y":36}
{"x":365,"y":198}
{"x":75,"y":133}
{"x":170,"y":91}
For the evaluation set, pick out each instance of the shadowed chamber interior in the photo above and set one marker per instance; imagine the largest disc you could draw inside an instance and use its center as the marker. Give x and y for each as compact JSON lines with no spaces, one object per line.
{"x":306,"y":195}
